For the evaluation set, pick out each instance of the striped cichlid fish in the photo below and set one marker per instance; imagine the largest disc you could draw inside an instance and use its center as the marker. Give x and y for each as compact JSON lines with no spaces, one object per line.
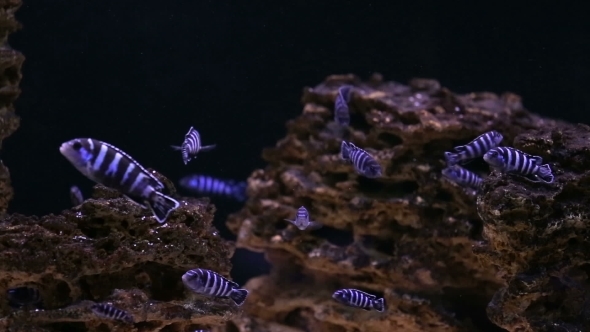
{"x":192,"y":146}
{"x":462,"y":177}
{"x":76,"y":196}
{"x":302,"y":220}
{"x":341,"y":110}
{"x":211,"y":283}
{"x":208,"y":185}
{"x":363,"y":162}
{"x":474,"y":149}
{"x":111,"y":167}
{"x":108,"y":311}
{"x":514,"y":161}
{"x":356,"y":298}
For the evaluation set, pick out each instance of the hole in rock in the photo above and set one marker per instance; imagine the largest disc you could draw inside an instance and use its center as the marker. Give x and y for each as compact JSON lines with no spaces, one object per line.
{"x":375,"y":187}
{"x":174,"y":327}
{"x":248,"y":264}
{"x":390,"y":139}
{"x":231,"y":327}
{"x":470,"y":304}
{"x":11,"y":73}
{"x":66,"y":327}
{"x":148,"y":326}
{"x":433,"y":215}
{"x":95,"y":228}
{"x":332,"y":178}
{"x":359,"y":122}
{"x":281,"y":224}
{"x":103,"y":328}
{"x":335,"y":236}
{"x":384,"y":246}
{"x":294,"y":319}
{"x":443,"y":195}
{"x":409,"y":118}
{"x":108,"y":245}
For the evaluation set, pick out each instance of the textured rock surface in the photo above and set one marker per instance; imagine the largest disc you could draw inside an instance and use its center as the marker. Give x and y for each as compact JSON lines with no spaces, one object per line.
{"x":407,"y":235}
{"x":11,"y":62}
{"x":537,"y":236}
{"x":110,"y":250}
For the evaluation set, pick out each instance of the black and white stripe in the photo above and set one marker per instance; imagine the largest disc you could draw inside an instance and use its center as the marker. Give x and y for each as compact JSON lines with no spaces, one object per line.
{"x":76,"y":196}
{"x":462,"y":177}
{"x":341,"y":111}
{"x":191,"y":146}
{"x":302,"y":220}
{"x":111,"y":167}
{"x":207,"y":185}
{"x":210,"y":283}
{"x":356,"y":298}
{"x":109,"y":312}
{"x":474,"y":149}
{"x":511,"y":160}
{"x":363,"y":162}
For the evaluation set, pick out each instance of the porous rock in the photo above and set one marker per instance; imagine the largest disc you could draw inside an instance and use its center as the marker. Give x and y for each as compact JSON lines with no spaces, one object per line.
{"x":407,"y":236}
{"x":110,"y":250}
{"x":11,"y":62}
{"x":537,"y":235}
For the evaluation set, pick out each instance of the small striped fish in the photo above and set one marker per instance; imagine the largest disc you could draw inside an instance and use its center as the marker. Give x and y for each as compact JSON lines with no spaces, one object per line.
{"x":207,"y":185}
{"x":211,"y":283}
{"x":474,"y":149}
{"x":23,"y":296}
{"x":341,"y":111}
{"x":513,"y":161}
{"x":302,"y":220}
{"x":192,"y":145}
{"x":109,"y":312}
{"x":111,"y":167}
{"x":364,"y":163}
{"x":356,"y":298}
{"x":462,"y":177}
{"x":76,"y":196}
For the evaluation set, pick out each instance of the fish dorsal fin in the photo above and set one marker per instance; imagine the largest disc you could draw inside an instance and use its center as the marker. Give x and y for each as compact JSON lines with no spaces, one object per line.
{"x":371,"y":296}
{"x":460,"y":148}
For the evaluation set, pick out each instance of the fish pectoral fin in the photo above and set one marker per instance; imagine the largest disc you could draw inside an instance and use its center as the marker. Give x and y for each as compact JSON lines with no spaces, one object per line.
{"x":314,"y":225}
{"x":176,"y":147}
{"x":207,"y":148}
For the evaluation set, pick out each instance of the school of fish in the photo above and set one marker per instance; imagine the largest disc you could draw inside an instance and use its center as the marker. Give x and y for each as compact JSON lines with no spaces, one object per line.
{"x":110,"y":166}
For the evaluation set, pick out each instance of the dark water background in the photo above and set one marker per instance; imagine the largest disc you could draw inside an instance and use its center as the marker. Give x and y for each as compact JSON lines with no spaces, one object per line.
{"x":137,"y":74}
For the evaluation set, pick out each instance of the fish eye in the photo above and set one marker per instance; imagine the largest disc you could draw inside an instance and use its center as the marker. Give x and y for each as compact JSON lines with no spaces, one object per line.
{"x":77,"y":146}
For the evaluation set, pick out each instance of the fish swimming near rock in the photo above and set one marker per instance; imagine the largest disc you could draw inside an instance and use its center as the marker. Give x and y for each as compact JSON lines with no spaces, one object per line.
{"x":210,"y":283}
{"x":23,"y":296}
{"x":356,"y":298}
{"x":363,"y":162}
{"x":462,"y":177}
{"x":208,"y":185}
{"x":474,"y":149}
{"x":76,"y":196}
{"x":302,"y":220}
{"x":192,"y":146}
{"x":513,"y":161}
{"x":109,"y":312}
{"x":341,"y":110}
{"x":108,"y":165}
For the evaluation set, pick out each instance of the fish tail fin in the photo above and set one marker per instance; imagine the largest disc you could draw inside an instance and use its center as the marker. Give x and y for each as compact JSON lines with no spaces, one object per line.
{"x":239,"y":295}
{"x":344,"y":151}
{"x":544,"y":173}
{"x":161,"y":206}
{"x":239,"y":191}
{"x":379,"y":305}
{"x":207,"y":147}
{"x":452,"y":158}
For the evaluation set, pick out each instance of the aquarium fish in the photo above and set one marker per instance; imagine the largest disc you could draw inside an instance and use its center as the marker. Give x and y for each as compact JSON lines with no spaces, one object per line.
{"x":364,"y":163}
{"x":76,"y":196}
{"x":210,"y":283}
{"x":462,"y":177}
{"x":23,"y":296}
{"x":356,"y":298}
{"x":302,"y":220}
{"x":514,"y":161}
{"x":474,"y":149}
{"x":207,"y":185}
{"x":108,"y":311}
{"x":113,"y":168}
{"x":341,"y":111}
{"x":192,"y":145}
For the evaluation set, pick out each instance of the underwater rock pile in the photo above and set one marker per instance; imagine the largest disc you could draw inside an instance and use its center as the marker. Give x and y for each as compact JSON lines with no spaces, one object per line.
{"x":109,"y":250}
{"x":407,"y":235}
{"x":11,"y":62}
{"x":538,"y":236}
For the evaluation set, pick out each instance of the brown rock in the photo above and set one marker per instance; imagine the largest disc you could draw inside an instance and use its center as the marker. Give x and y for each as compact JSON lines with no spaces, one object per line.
{"x":410,"y":232}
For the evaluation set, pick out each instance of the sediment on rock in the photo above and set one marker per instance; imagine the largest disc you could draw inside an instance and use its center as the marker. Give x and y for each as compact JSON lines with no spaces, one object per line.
{"x":110,"y":250}
{"x":408,"y":233}
{"x":11,"y":62}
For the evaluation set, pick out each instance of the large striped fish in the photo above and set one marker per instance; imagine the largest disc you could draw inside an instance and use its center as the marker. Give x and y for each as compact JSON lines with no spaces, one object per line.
{"x":111,"y":167}
{"x":513,"y":161}
{"x":363,"y":162}
{"x":341,"y":111}
{"x":104,"y":310}
{"x":356,"y":298}
{"x":211,"y":283}
{"x":302,"y":220}
{"x":192,"y":145}
{"x":207,"y":185}
{"x":474,"y":149}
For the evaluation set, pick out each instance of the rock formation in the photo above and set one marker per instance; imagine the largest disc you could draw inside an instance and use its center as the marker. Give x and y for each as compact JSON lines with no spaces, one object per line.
{"x":11,"y":62}
{"x":109,"y":250}
{"x":408,"y":235}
